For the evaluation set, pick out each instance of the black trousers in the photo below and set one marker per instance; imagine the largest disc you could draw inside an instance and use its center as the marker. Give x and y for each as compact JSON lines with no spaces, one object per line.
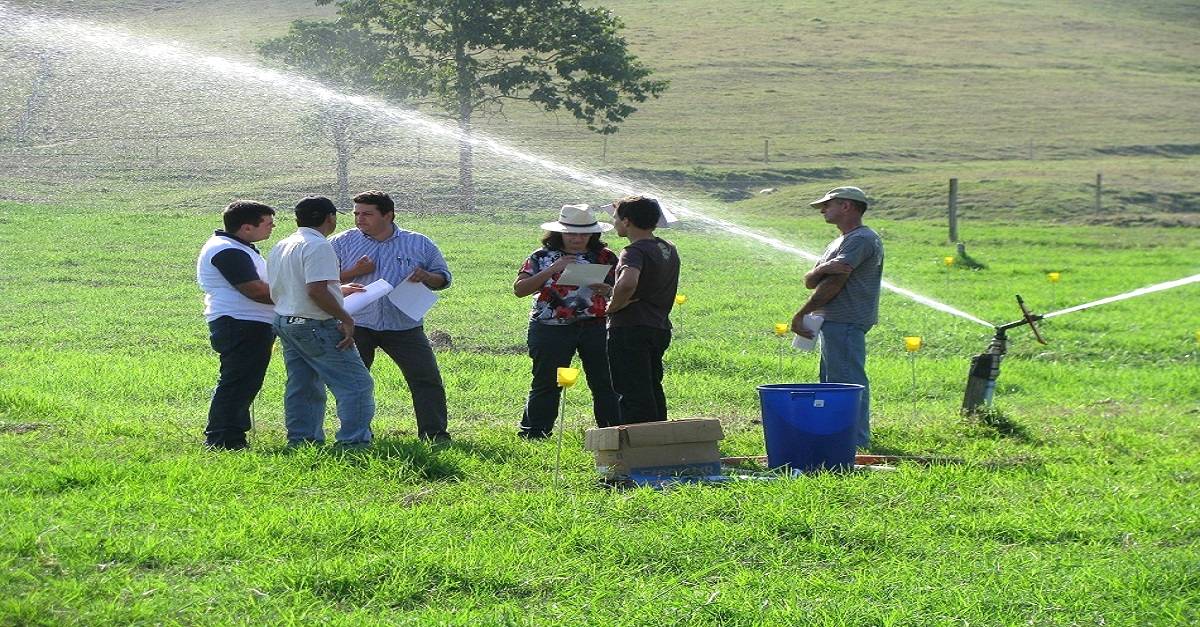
{"x":245,"y":350}
{"x":412,"y":353}
{"x":552,"y":347}
{"x":635,"y":361}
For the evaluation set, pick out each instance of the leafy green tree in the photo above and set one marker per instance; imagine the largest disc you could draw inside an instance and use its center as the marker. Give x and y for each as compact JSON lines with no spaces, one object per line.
{"x":469,"y":56}
{"x":342,"y":59}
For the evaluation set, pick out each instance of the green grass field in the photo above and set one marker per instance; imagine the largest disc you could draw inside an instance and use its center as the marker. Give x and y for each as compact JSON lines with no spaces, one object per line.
{"x":1074,"y":503}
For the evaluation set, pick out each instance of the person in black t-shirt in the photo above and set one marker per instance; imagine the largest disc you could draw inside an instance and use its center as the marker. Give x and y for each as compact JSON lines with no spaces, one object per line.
{"x":639,"y":325}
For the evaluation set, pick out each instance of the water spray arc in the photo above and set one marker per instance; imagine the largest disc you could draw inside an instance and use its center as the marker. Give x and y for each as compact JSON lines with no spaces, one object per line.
{"x":985,"y":367}
{"x":135,"y":47}
{"x":39,"y":29}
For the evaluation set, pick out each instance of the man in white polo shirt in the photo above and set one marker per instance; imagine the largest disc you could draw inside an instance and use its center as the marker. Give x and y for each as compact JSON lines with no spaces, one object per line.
{"x":316,"y":332}
{"x":237,"y":306}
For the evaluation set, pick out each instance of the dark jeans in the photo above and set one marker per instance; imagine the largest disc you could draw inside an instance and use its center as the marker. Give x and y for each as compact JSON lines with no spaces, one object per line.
{"x":635,"y":360}
{"x":552,"y":347}
{"x":245,"y":350}
{"x":412,"y":353}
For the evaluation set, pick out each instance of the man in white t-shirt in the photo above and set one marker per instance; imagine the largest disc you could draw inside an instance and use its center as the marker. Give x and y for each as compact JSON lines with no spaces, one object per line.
{"x":316,"y":332}
{"x":237,"y":306}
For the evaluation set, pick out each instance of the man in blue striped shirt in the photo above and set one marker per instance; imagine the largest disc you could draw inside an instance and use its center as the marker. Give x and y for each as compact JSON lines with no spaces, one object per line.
{"x":378,"y":249}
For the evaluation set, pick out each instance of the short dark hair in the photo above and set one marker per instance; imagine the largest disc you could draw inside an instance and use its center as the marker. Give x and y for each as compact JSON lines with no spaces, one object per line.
{"x":643,"y":212}
{"x":379,"y":199}
{"x":553,"y":240}
{"x":312,"y":210}
{"x":241,"y":212}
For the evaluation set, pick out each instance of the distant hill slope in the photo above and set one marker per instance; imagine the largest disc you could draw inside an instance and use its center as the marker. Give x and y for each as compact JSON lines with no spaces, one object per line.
{"x":769,"y":86}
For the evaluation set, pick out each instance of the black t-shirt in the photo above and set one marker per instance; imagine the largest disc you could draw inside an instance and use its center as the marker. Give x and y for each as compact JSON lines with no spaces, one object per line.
{"x":658,"y":282}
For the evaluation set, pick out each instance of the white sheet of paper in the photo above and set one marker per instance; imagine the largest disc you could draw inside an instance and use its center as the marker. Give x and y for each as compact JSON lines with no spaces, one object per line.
{"x":584,"y":274}
{"x":667,"y":219}
{"x":357,"y":301}
{"x":413,"y":298}
{"x":813,"y":323}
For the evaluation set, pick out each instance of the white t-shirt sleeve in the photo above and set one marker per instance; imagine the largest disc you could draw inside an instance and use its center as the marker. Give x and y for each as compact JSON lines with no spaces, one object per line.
{"x":320,"y":264}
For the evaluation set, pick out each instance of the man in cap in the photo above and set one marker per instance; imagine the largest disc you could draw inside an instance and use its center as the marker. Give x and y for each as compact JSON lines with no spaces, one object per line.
{"x":316,"y":332}
{"x":381,"y":250}
{"x":237,"y":306}
{"x":845,"y":283}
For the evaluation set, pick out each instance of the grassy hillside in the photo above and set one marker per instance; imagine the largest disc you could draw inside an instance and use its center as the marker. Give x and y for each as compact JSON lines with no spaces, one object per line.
{"x":1026,"y":101}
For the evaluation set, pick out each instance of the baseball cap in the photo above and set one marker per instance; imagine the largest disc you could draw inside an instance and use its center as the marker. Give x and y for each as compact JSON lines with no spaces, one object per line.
{"x":849,"y":193}
{"x":315,"y":208}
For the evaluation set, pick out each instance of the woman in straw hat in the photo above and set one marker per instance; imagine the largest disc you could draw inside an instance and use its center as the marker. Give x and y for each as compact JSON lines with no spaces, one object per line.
{"x":566,"y":319}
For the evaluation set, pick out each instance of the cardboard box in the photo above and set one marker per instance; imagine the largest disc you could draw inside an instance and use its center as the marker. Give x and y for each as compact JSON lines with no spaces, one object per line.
{"x":673,"y":447}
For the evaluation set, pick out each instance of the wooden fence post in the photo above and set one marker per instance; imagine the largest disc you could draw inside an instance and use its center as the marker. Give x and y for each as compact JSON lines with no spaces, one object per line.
{"x":1098,"y":187}
{"x":953,"y":210}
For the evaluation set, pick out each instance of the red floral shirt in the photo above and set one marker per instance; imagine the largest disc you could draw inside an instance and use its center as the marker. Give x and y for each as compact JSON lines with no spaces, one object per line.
{"x":567,"y":304}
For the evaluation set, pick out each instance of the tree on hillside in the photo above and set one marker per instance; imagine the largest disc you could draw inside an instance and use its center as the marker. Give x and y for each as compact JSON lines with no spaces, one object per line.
{"x":469,"y":56}
{"x":35,"y":101}
{"x":341,"y":59}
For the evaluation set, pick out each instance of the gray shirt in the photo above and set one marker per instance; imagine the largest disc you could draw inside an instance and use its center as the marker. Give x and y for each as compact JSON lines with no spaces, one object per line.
{"x":858,"y":302}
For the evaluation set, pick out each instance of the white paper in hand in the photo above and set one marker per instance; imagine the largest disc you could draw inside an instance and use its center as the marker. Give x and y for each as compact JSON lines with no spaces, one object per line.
{"x":813,"y":323}
{"x":413,"y":298}
{"x":584,"y":274}
{"x":358,"y":301}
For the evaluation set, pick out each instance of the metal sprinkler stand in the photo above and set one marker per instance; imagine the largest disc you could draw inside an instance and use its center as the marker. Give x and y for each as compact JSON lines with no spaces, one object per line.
{"x":985,"y":367}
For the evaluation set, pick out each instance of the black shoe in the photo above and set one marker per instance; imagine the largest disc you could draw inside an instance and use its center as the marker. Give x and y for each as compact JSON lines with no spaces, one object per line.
{"x":226,"y":446}
{"x":533,"y":434}
{"x":437,"y":438}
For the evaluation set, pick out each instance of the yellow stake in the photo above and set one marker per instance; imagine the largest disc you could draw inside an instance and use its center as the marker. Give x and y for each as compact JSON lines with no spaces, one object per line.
{"x":680,"y":299}
{"x":782,"y":329}
{"x":1053,"y":276}
{"x":912,"y":344}
{"x":567,"y":377}
{"x":949,"y":261}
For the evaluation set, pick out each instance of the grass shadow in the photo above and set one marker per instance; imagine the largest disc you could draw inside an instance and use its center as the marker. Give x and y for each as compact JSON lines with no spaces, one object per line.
{"x":1002,"y":426}
{"x":424,"y":460}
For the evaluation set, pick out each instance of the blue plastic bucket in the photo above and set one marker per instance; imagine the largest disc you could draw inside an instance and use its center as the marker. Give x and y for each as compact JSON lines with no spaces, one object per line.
{"x":810,"y":426}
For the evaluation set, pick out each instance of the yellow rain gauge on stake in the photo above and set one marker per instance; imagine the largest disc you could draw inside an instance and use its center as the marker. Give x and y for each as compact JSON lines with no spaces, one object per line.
{"x":781,"y":331}
{"x":912,"y":344}
{"x":566,"y":378}
{"x":680,"y":299}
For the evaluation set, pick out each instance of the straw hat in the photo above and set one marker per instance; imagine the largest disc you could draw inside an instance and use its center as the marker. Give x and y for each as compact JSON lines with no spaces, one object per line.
{"x":577,"y":219}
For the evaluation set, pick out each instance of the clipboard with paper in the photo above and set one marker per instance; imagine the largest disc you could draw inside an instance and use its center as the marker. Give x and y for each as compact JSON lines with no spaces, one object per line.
{"x":579,"y":274}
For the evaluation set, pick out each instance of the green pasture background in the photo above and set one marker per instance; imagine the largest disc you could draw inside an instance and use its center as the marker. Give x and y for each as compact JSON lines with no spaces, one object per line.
{"x":1072,"y":503}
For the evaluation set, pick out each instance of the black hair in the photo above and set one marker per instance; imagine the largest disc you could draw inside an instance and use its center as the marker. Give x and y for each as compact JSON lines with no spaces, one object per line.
{"x":553,"y":240}
{"x":311,"y":211}
{"x":375,"y":197}
{"x":858,"y":204}
{"x":241,"y":212}
{"x":643,"y":212}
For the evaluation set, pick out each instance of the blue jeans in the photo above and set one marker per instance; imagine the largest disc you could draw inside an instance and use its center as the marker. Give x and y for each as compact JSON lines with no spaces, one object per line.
{"x":313,"y":362}
{"x":245,"y":350}
{"x":552,"y":347}
{"x":844,"y":360}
